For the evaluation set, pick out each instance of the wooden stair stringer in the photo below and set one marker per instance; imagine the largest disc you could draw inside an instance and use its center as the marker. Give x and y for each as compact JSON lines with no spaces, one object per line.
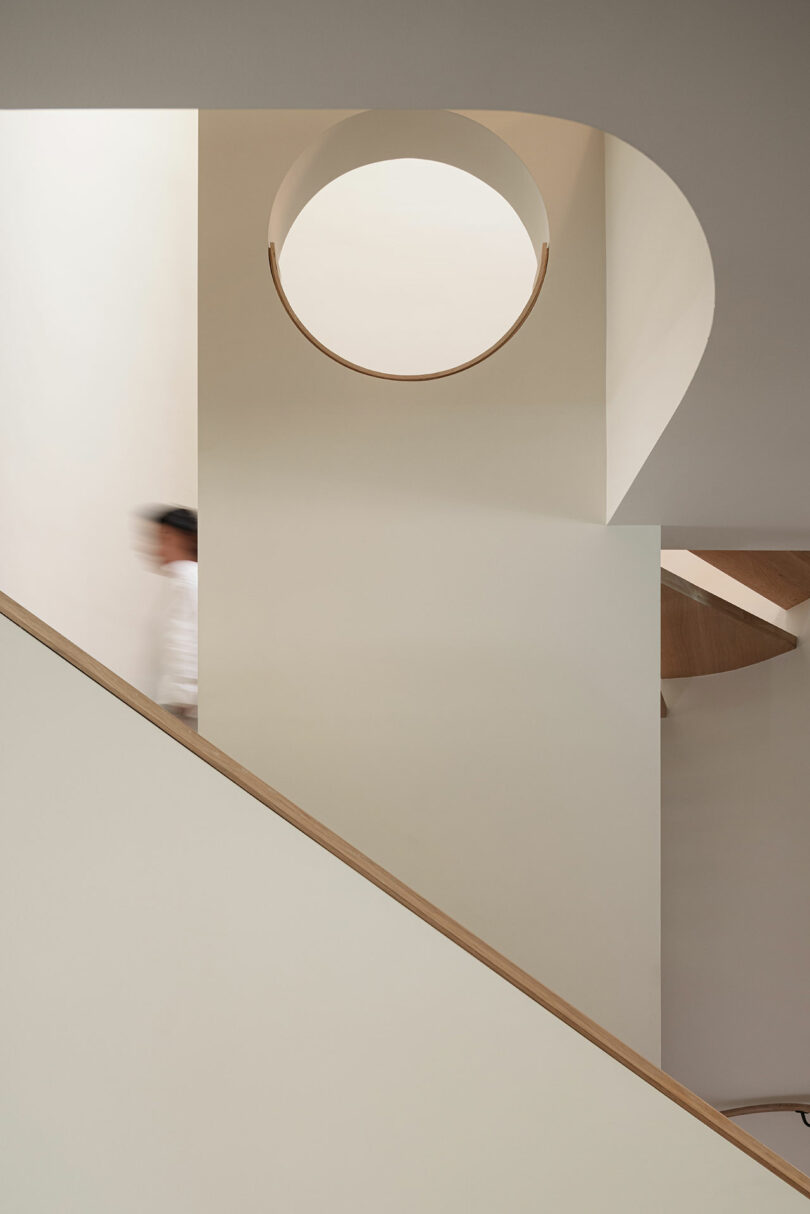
{"x":781,"y":577}
{"x":703,"y":634}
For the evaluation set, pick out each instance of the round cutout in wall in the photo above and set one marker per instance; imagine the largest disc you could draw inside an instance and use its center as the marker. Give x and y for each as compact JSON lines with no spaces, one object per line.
{"x":413,"y":264}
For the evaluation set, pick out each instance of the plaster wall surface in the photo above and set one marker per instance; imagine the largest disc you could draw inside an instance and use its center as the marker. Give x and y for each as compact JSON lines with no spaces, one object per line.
{"x":659,"y":309}
{"x":716,"y":94}
{"x":98,"y":365}
{"x":208,"y":1012}
{"x":736,"y":837}
{"x":413,"y":621}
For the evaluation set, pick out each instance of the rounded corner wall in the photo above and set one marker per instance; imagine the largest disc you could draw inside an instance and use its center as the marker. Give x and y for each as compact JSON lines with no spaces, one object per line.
{"x":659,"y":307}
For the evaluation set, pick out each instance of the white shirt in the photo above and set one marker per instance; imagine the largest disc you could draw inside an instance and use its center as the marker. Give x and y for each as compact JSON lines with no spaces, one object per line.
{"x":177,"y":670}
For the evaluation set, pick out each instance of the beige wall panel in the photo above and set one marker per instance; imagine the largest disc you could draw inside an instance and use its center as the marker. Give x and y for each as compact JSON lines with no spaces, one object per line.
{"x":736,"y":901}
{"x":204,"y":1011}
{"x":412,"y":620}
{"x":98,"y":368}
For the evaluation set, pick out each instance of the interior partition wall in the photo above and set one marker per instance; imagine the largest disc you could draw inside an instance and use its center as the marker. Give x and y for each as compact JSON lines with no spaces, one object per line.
{"x":413,"y":619}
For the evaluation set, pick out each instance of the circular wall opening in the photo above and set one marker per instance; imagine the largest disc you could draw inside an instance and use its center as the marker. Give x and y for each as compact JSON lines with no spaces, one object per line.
{"x":409,"y":266}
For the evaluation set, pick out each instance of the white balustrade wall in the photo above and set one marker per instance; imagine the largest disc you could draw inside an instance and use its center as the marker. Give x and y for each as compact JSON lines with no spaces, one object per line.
{"x":204,"y":1011}
{"x":98,"y":364}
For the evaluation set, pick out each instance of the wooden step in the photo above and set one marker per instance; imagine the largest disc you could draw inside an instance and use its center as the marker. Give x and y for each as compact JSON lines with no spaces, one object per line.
{"x":782,"y":577}
{"x":703,"y":634}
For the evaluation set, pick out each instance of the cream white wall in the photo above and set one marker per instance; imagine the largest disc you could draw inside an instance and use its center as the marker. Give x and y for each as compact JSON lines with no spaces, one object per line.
{"x":204,"y":1011}
{"x":413,"y":621}
{"x":736,"y":840}
{"x":98,"y":364}
{"x":660,"y":305}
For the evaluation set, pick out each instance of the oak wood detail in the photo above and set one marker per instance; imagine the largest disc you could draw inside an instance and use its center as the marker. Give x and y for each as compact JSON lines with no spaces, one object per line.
{"x":703,"y":634}
{"x":405,"y":896}
{"x":781,"y":1106}
{"x":472,"y":362}
{"x":782,"y":577}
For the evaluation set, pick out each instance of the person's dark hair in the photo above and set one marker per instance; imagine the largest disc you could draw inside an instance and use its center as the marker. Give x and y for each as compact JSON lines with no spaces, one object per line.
{"x":179,"y":518}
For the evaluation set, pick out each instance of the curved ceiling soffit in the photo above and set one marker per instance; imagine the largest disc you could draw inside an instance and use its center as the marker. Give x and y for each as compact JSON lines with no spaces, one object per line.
{"x":444,"y":136}
{"x":660,"y":277}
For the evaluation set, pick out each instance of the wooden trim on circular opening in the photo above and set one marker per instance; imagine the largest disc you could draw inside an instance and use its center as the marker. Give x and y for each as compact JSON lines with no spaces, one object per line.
{"x":532,"y":300}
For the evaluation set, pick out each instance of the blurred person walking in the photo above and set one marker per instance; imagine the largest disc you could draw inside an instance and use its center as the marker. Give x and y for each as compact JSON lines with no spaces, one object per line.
{"x":175,"y":553}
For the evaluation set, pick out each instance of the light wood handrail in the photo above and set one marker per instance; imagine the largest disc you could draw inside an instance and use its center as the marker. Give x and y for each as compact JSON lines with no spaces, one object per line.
{"x":345,"y":362}
{"x":779,"y":1106}
{"x":401,"y":893}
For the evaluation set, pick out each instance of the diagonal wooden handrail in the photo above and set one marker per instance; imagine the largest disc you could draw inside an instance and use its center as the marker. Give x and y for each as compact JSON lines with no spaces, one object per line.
{"x":401,"y":893}
{"x":776,"y":1106}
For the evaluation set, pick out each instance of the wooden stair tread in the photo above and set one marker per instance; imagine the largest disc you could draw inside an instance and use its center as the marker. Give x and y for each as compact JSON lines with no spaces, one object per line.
{"x":703,"y":634}
{"x":781,"y":577}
